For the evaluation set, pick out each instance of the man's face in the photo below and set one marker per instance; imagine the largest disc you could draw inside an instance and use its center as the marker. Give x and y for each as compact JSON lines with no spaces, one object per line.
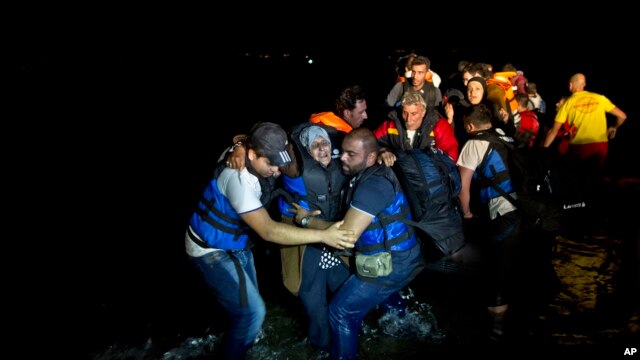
{"x":358,"y":115}
{"x":413,"y":115}
{"x":468,"y":127}
{"x":465,"y":77}
{"x":262,"y":165}
{"x":353,"y":157}
{"x":418,"y":74}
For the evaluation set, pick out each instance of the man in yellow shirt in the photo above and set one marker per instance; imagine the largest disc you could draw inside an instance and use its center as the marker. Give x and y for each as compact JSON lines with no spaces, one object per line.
{"x":585,"y":113}
{"x":586,"y":116}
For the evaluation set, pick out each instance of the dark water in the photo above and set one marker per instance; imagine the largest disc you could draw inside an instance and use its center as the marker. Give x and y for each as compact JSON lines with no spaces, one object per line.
{"x":138,"y":129}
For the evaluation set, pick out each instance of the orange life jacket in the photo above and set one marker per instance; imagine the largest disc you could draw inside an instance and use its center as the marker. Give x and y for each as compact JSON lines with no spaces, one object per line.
{"x":502,"y":79}
{"x":330,"y":119}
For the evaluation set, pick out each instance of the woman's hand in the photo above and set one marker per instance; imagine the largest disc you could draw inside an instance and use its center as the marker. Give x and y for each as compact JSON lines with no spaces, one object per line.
{"x":302,"y":212}
{"x":448,"y":109}
{"x":236,"y":158}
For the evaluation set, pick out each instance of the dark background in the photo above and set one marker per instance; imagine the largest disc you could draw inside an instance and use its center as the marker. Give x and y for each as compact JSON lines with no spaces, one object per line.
{"x":119,"y":124}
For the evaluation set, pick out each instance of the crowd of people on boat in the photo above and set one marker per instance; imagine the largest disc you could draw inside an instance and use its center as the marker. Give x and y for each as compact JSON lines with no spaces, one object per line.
{"x":328,"y":192}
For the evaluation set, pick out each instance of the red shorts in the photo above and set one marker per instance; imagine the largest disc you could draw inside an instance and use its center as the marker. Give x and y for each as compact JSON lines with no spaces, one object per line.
{"x":595,"y":153}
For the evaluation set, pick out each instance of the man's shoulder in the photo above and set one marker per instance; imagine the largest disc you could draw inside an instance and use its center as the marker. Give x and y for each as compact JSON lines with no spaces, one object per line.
{"x":581,"y":96}
{"x":231,"y":178}
{"x":477,"y":143}
{"x":582,"y":93}
{"x":399,"y":85}
{"x":387,"y":124}
{"x":323,"y":117}
{"x":377,"y":187}
{"x":380,"y":176}
{"x":331,"y":120}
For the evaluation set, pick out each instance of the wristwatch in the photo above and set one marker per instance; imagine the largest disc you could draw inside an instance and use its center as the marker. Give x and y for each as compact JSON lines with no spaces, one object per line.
{"x":305,"y":221}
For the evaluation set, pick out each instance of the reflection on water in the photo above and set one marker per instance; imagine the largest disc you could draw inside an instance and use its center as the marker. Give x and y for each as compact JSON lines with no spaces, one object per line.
{"x":283,"y":337}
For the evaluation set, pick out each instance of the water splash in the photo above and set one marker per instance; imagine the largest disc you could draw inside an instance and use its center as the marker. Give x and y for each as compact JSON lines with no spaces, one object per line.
{"x":283,"y":337}
{"x":192,"y":348}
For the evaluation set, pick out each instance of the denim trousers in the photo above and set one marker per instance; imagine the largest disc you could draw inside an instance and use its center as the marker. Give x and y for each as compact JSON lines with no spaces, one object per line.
{"x":229,"y":281}
{"x":357,"y":297}
{"x":317,"y":286}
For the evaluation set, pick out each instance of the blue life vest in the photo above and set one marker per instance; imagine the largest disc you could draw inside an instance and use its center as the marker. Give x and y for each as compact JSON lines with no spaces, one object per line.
{"x":216,"y":222}
{"x":493,"y":165}
{"x":386,"y":232}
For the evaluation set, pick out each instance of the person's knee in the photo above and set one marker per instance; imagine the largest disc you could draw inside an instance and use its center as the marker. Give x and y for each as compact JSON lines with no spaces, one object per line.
{"x":333,"y":310}
{"x":260,"y":313}
{"x":313,"y":299}
{"x":254,"y":316}
{"x":337,"y":314}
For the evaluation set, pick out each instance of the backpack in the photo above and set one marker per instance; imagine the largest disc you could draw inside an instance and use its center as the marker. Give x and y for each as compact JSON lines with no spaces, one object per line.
{"x":531,"y":177}
{"x":431,"y":183}
{"x":543,"y":107}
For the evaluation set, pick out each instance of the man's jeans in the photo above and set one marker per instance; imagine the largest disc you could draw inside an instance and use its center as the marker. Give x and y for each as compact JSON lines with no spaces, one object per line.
{"x":246,"y":309}
{"x":357,"y":297}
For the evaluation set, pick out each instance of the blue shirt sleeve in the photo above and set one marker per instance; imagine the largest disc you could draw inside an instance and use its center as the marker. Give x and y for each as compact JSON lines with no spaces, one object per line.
{"x":373,"y":195}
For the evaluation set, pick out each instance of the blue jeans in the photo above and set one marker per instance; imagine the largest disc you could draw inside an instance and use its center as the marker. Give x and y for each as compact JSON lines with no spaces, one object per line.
{"x":357,"y":297}
{"x":246,"y":309}
{"x":316,"y":287}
